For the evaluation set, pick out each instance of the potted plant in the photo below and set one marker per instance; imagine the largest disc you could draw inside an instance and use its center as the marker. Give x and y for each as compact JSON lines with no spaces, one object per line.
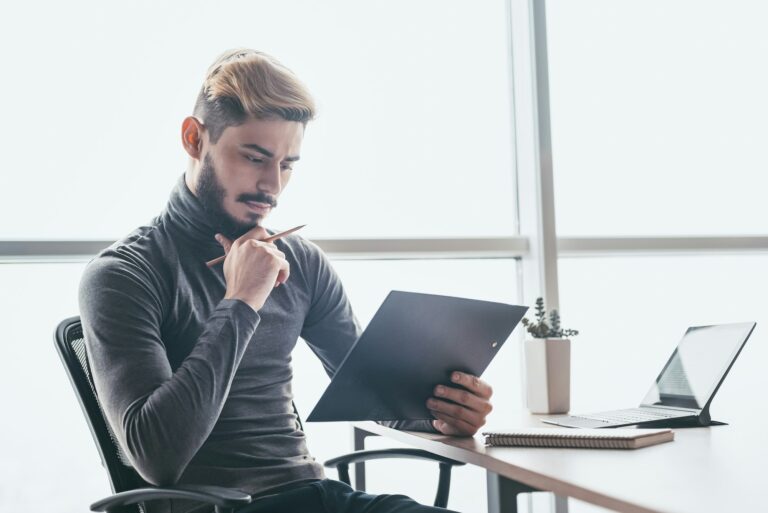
{"x":548,"y":362}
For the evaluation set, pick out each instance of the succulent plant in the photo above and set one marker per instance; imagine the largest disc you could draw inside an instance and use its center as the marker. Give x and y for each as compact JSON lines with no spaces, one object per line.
{"x":543,"y":329}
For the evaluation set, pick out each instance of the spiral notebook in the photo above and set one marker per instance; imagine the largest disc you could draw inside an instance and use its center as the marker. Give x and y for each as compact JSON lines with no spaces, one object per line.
{"x":579,"y":438}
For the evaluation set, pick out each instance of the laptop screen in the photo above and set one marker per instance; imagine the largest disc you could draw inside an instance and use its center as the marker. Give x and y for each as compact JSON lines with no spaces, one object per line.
{"x":698,"y":365}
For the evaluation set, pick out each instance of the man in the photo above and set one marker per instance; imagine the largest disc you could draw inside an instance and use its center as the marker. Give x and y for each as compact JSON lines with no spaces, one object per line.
{"x":192,"y":364}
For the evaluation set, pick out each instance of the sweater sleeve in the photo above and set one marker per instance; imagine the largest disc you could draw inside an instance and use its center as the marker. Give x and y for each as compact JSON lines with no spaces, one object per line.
{"x":331,"y":328}
{"x":160,"y":417}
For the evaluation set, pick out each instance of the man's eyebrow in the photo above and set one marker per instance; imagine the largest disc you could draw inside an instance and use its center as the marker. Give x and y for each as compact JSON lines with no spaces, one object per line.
{"x":268,"y":153}
{"x":258,"y":148}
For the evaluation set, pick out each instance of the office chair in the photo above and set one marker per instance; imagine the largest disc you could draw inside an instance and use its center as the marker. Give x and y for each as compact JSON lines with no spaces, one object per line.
{"x":131,"y":491}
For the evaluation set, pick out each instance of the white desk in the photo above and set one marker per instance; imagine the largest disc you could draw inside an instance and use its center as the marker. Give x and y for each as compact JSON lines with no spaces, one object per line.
{"x":716,"y":469}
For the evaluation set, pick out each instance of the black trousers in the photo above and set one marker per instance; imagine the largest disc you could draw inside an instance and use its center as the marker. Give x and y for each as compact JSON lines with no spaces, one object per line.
{"x":329,"y":496}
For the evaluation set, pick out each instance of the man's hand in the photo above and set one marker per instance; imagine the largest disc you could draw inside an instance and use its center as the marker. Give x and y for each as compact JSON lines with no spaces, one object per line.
{"x":466,"y":408}
{"x":252,"y":268}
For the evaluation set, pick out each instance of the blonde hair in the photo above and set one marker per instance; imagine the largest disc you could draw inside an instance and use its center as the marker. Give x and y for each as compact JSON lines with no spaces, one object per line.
{"x":244,"y":83}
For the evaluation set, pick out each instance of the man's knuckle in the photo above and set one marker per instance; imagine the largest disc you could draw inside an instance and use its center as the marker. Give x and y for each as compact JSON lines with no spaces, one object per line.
{"x":465,"y":396}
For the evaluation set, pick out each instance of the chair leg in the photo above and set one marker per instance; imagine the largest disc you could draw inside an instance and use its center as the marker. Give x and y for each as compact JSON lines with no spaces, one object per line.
{"x":443,"y":486}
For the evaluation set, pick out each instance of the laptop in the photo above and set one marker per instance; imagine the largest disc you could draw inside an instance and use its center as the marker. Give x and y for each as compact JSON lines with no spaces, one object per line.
{"x":682,"y":393}
{"x":413,"y":343}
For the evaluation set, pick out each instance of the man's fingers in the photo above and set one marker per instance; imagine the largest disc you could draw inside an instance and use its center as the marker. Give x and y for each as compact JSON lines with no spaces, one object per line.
{"x":452,"y":426}
{"x":461,"y":410}
{"x":448,"y":429}
{"x":256,"y":234}
{"x":464,"y":397}
{"x":472,"y":383}
{"x":284,"y":268}
{"x":456,"y":411}
{"x":269,"y":246}
{"x":283,"y":273}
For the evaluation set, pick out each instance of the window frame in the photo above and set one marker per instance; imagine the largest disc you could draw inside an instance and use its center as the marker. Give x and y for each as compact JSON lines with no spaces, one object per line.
{"x":536,"y":244}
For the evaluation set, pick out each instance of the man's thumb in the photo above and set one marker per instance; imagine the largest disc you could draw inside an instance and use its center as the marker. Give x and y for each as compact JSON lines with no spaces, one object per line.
{"x":225,"y":242}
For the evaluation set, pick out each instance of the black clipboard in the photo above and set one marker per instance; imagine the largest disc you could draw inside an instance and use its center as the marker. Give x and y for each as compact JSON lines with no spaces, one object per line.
{"x":413,"y":343}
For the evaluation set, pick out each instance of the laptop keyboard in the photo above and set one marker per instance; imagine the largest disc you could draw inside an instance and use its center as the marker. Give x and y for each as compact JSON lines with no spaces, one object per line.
{"x":629,"y":416}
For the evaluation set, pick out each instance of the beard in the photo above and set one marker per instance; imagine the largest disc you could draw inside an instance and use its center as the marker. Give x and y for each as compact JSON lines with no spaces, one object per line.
{"x":211,"y":195}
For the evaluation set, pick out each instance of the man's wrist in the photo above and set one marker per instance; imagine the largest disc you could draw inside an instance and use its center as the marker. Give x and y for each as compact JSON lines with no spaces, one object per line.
{"x":254,"y":306}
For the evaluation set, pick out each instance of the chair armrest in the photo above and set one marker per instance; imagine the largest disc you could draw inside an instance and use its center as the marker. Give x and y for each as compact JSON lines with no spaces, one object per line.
{"x":341,"y":463}
{"x":360,"y":456}
{"x":216,"y":495}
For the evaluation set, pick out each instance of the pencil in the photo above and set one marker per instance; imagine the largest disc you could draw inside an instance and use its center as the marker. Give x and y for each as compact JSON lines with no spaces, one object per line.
{"x":271,"y":238}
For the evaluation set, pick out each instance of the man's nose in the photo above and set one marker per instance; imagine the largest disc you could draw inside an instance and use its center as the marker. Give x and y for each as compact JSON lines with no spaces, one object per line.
{"x":271,"y":180}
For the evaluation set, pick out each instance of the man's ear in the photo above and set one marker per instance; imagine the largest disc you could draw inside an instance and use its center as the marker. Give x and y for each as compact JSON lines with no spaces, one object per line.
{"x":192,"y":136}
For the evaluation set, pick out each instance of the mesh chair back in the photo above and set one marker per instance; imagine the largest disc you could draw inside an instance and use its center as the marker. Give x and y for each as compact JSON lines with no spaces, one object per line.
{"x":70,"y":345}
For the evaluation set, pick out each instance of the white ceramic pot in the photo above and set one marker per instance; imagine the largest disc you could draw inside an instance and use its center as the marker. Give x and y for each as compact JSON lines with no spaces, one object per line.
{"x":548,"y":375}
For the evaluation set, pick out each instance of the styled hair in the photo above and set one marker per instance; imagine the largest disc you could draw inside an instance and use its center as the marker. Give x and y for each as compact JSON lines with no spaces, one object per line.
{"x":245,"y":83}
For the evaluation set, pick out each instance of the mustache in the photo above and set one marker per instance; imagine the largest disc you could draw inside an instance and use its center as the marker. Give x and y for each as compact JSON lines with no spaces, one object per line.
{"x":259,"y":197}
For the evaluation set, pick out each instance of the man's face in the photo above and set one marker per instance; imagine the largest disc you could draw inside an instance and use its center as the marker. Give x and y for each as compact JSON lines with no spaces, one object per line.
{"x":244,"y":172}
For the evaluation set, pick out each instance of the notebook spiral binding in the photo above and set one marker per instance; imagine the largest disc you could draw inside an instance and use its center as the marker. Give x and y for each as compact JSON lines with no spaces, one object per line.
{"x":569,"y":441}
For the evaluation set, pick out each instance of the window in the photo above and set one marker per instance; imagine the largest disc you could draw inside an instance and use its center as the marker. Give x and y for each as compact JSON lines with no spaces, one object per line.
{"x":44,"y":435}
{"x":645,"y":304}
{"x":413,"y":127}
{"x":414,"y":139}
{"x":658,"y":117}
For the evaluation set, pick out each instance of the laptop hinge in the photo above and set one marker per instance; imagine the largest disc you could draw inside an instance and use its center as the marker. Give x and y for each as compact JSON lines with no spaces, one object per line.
{"x":693,"y":411}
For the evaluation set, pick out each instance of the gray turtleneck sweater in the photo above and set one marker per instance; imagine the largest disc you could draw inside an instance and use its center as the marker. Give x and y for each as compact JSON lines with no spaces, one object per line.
{"x":197,"y":388}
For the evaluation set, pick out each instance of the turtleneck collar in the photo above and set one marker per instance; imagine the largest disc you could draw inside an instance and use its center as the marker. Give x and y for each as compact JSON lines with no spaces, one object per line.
{"x":185,"y":215}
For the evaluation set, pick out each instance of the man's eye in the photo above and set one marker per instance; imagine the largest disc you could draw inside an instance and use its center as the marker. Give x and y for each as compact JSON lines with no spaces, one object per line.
{"x":253,"y":159}
{"x":286,"y":167}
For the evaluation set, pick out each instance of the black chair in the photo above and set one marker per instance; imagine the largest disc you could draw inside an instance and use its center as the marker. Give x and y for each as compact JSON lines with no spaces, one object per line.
{"x":131,"y":491}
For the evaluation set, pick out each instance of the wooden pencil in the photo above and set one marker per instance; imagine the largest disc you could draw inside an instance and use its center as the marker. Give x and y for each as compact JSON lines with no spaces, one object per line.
{"x":271,"y":238}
